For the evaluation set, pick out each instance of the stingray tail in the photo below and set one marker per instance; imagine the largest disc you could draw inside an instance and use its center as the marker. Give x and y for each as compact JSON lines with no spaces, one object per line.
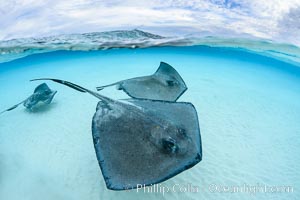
{"x":104,"y":86}
{"x":77,"y":87}
{"x":11,"y":108}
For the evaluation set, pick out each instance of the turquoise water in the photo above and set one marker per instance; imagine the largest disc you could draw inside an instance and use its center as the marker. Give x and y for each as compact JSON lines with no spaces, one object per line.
{"x":248,"y":107}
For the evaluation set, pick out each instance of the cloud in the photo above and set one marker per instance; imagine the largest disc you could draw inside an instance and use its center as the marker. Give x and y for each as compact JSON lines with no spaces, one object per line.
{"x":251,"y":18}
{"x":289,"y":25}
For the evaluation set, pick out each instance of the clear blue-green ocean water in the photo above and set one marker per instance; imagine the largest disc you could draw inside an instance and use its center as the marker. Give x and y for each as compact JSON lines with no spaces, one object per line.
{"x":248,"y":107}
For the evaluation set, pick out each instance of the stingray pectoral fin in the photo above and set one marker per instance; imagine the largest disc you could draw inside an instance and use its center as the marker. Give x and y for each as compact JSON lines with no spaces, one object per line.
{"x":42,"y":87}
{"x":49,"y":100}
{"x":11,"y":108}
{"x":78,"y":88}
{"x":166,"y":69}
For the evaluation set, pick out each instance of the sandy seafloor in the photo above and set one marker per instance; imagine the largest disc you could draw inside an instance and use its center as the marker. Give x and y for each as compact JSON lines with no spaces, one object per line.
{"x":248,"y":107}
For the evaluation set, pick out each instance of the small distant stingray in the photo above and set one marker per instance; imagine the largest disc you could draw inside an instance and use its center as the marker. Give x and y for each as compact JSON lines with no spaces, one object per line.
{"x":142,"y":141}
{"x":165,"y":84}
{"x":42,"y":93}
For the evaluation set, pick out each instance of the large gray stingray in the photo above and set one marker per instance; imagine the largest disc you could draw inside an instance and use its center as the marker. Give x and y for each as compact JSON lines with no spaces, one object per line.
{"x":165,"y":84}
{"x":41,"y":94}
{"x":142,"y":141}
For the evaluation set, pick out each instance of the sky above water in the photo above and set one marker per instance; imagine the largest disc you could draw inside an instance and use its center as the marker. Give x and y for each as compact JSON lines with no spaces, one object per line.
{"x":267,"y":19}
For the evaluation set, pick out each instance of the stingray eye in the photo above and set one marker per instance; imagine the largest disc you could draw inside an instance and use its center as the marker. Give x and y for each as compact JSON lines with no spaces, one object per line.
{"x":169,"y":145}
{"x":170,"y":83}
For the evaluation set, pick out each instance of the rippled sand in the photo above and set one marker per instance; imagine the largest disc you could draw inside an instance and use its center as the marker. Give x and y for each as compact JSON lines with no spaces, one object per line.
{"x":249,"y":114}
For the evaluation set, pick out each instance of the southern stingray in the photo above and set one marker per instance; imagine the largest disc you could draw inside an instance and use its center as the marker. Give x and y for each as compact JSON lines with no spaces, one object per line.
{"x":165,"y":84}
{"x":42,"y":94}
{"x":142,"y":141}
